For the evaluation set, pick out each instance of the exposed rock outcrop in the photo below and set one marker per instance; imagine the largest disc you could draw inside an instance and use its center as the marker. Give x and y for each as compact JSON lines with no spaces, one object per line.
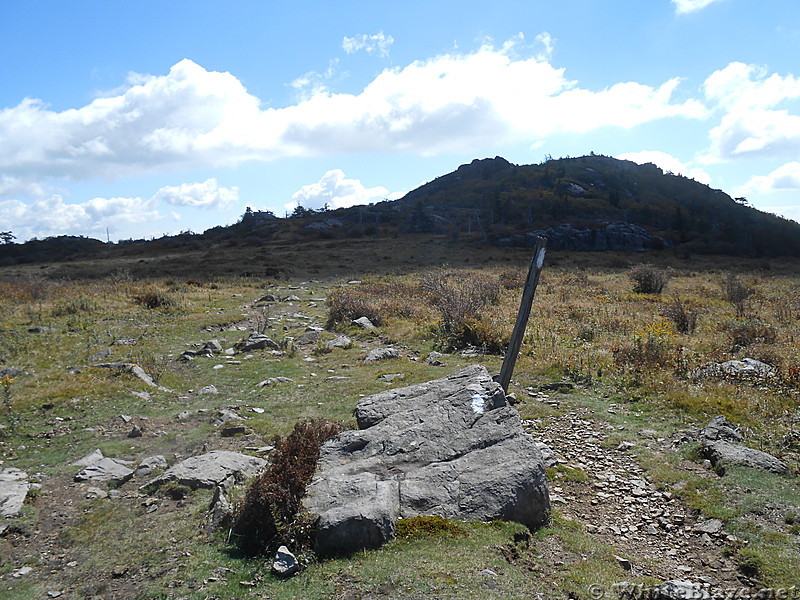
{"x":451,"y":447}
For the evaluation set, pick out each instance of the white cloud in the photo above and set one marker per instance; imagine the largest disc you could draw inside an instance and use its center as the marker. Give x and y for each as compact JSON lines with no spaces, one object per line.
{"x":378,"y":43}
{"x":546,"y":41}
{"x":784,"y":178}
{"x":52,"y":216}
{"x":335,"y":190}
{"x":194,"y":117}
{"x":752,"y":123}
{"x":667,"y":162}
{"x":207,"y":194}
{"x":688,"y":6}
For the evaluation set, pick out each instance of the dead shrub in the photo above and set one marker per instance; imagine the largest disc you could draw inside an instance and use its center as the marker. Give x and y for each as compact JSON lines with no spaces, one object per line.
{"x":155,"y":299}
{"x":648,"y":279}
{"x":376,"y":301}
{"x":736,"y":292}
{"x":682,"y":313}
{"x":460,"y":298}
{"x":645,"y":352}
{"x":745,"y":332}
{"x":270,"y":514}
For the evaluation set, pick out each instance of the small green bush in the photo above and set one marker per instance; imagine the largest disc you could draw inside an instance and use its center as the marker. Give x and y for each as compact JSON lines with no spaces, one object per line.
{"x":424,"y":526}
{"x":270,"y":514}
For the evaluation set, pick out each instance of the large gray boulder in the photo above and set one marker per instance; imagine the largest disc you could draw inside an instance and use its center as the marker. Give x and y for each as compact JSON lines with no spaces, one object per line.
{"x":209,"y":470}
{"x":451,"y":447}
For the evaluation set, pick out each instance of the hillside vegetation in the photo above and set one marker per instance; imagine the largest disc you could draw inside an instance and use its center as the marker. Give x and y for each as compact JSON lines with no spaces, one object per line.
{"x":611,"y":376}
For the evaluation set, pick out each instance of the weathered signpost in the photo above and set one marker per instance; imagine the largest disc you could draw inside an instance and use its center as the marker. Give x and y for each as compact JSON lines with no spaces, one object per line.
{"x":524,"y":312}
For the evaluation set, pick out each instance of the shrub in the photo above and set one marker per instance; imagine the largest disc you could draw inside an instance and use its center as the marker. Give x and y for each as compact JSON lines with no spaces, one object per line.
{"x":460,"y":297}
{"x":270,"y":514}
{"x":682,"y":313}
{"x":424,"y":526}
{"x":347,"y":304}
{"x":74,"y":306}
{"x":647,"y":351}
{"x":745,"y":332}
{"x":648,"y":279}
{"x":155,"y":299}
{"x":736,"y":292}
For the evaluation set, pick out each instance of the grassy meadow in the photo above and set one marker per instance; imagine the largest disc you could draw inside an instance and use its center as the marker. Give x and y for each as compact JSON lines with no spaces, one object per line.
{"x":630,"y":351}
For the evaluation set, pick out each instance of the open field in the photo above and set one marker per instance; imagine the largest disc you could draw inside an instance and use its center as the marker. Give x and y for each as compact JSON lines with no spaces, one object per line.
{"x":628,"y":362}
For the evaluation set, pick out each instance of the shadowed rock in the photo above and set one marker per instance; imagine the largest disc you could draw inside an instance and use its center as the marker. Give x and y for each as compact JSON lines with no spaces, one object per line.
{"x":219,"y":467}
{"x":450,"y":447}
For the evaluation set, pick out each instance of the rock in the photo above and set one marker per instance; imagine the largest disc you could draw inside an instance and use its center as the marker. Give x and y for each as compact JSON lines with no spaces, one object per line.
{"x":380,"y":354}
{"x":390,"y":377}
{"x":220,"y":512}
{"x":218,"y":467}
{"x":309,"y":337}
{"x":41,"y":329}
{"x":10,"y":372}
{"x":224,"y":415}
{"x":744,"y":368}
{"x":268,"y":298}
{"x":623,"y":562}
{"x":106,"y":469}
{"x":340,"y":342}
{"x":93,"y":457}
{"x":450,"y":447}
{"x":285,"y":563}
{"x":139,"y":372}
{"x":126,"y":342}
{"x":720,"y":429}
{"x":723,"y":454}
{"x":291,"y":298}
{"x":207,"y":389}
{"x":135,"y":432}
{"x":213,"y":346}
{"x":233,"y":430}
{"x":95,"y":493}
{"x":364,"y":323}
{"x":678,"y":589}
{"x":14,"y":488}
{"x":548,"y":456}
{"x":275,"y":380}
{"x":99,"y":355}
{"x":558,"y":386}
{"x":433,"y":359}
{"x":150,"y":464}
{"x":710,"y":527}
{"x":256,"y":341}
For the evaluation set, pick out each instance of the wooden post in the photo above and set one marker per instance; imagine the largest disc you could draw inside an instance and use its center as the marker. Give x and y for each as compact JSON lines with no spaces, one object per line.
{"x":524,"y":312}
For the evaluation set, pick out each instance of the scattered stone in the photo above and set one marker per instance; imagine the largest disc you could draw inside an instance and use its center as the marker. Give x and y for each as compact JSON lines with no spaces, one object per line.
{"x":95,"y":493}
{"x":364,"y":323}
{"x":275,"y":380}
{"x":291,"y":298}
{"x":14,"y":489}
{"x":723,"y":454}
{"x":126,"y":342}
{"x":380,"y":354}
{"x":99,"y":355}
{"x":268,"y":298}
{"x":746,"y":368}
{"x":218,"y":467}
{"x":92,"y":458}
{"x":624,"y":446}
{"x":434,"y":359}
{"x":21,"y":572}
{"x":232,"y":430}
{"x":624,"y":562}
{"x":106,"y":469}
{"x":150,"y":464}
{"x":679,"y":589}
{"x":548,"y":456}
{"x":256,"y":341}
{"x":207,"y":389}
{"x":424,"y":450}
{"x":340,"y":342}
{"x":710,"y":527}
{"x":41,"y":329}
{"x":720,"y":429}
{"x":558,"y":386}
{"x":213,"y":346}
{"x":139,"y":372}
{"x":309,"y":337}
{"x":135,"y":432}
{"x":285,"y":563}
{"x":220,"y":512}
{"x":390,"y":377}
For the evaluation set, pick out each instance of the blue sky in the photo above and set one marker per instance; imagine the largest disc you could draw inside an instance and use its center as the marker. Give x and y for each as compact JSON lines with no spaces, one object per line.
{"x":149,"y":118}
